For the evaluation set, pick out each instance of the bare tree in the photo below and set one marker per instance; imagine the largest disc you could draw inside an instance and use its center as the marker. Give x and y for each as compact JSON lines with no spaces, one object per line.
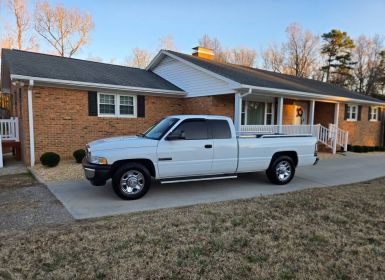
{"x":139,"y":58}
{"x":7,"y":42}
{"x":243,"y":56}
{"x":214,"y":44}
{"x":369,"y":70}
{"x":302,"y":50}
{"x":66,"y":30}
{"x":19,"y":9}
{"x":274,"y":59}
{"x":167,"y":43}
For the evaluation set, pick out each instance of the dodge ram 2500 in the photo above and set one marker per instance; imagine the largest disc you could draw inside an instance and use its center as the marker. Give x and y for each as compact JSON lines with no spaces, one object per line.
{"x":191,"y":148}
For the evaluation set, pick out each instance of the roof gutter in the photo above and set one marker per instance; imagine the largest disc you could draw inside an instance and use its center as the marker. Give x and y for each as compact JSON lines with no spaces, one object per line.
{"x":97,"y":85}
{"x":316,"y":96}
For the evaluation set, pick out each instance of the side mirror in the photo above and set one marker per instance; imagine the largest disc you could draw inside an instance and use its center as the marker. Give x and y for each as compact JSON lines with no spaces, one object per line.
{"x":176,"y":136}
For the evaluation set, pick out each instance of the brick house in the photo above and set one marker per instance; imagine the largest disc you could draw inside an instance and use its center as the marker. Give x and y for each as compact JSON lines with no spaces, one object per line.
{"x":63,"y":103}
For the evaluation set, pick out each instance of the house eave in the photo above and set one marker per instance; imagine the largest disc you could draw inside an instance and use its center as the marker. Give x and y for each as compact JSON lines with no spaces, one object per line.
{"x":301,"y":94}
{"x":79,"y":84}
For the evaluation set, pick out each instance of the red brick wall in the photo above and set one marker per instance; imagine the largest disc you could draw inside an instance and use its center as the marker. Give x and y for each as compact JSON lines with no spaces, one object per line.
{"x":363,"y":132}
{"x":62,"y":123}
{"x":210,"y":105}
{"x":324,"y":113}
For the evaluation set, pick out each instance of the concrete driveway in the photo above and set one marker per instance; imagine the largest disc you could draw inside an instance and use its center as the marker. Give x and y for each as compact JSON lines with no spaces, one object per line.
{"x":83,"y":200}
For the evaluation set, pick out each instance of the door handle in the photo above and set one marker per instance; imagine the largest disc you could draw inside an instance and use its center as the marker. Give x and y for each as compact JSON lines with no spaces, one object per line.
{"x":208,"y":146}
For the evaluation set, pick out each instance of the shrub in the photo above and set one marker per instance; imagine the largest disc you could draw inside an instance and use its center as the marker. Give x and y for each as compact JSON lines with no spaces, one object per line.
{"x":50,"y":159}
{"x":357,"y":149}
{"x":371,"y":149}
{"x":377,"y":148}
{"x":349,"y":148}
{"x":79,"y":155}
{"x":365,"y":149}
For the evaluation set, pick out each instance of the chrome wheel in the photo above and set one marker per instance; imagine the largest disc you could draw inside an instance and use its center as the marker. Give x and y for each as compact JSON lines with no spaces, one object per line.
{"x":283,"y":170}
{"x":132,"y":182}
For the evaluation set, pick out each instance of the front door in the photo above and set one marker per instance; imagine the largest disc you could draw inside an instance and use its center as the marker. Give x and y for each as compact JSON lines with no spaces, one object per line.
{"x":300,"y":113}
{"x":192,"y":155}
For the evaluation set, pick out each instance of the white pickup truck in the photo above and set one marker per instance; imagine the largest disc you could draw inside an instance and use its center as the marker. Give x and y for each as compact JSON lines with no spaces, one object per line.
{"x":192,"y":148}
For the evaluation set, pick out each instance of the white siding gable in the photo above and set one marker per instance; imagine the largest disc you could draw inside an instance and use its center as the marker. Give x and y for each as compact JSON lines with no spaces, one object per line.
{"x":193,"y":81}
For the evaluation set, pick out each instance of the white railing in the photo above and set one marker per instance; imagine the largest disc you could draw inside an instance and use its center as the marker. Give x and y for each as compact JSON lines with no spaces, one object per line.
{"x":284,"y":129}
{"x":9,"y":129}
{"x":331,"y":136}
{"x":1,"y":154}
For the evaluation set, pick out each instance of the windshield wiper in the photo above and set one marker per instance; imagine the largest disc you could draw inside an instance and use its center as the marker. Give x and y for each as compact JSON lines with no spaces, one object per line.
{"x":141,"y":135}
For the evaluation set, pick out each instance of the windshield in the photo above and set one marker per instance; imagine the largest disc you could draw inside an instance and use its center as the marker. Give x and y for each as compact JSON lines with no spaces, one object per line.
{"x":159,"y":129}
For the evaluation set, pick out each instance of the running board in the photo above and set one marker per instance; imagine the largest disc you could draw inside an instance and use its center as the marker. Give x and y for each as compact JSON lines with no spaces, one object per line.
{"x":170,"y":181}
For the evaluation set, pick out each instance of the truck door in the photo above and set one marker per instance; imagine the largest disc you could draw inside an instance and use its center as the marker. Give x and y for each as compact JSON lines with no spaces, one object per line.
{"x":186,"y":151}
{"x":225,"y":147}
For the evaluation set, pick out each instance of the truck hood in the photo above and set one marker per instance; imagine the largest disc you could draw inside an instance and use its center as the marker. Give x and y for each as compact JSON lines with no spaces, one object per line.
{"x":121,"y":142}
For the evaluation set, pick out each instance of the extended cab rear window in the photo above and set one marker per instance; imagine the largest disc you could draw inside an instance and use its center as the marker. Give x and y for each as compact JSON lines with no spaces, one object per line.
{"x":220,"y":129}
{"x":193,"y":129}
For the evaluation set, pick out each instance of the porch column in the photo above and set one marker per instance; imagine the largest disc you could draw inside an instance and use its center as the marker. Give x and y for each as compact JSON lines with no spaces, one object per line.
{"x":30,"y":121}
{"x":280,"y":114}
{"x":237,"y":111}
{"x":311,"y":117}
{"x":336,"y":116}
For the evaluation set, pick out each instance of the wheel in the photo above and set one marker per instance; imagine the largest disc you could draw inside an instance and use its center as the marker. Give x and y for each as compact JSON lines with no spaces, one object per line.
{"x":131,"y":181}
{"x":281,"y":171}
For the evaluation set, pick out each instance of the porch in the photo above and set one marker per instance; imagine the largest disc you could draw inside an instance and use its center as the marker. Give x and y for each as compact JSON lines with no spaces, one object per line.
{"x":9,"y":138}
{"x":256,"y":113}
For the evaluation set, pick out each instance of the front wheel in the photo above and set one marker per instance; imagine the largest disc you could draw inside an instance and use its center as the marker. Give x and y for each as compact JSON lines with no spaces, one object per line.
{"x":281,"y":171}
{"x":131,"y":181}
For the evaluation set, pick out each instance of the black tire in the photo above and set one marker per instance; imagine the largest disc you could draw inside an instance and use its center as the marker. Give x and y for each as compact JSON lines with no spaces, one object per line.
{"x":131,"y":170}
{"x":273,"y":174}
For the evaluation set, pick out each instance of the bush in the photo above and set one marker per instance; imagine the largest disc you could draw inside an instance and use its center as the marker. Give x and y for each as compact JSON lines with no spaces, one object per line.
{"x":377,"y":148}
{"x":357,"y":149}
{"x":372,"y":149}
{"x":50,"y":159}
{"x":365,"y":149}
{"x":79,"y":155}
{"x":349,"y":148}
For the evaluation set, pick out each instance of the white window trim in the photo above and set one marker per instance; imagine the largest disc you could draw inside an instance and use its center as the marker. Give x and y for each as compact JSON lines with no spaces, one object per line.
{"x":372,"y":114}
{"x":117,"y":106}
{"x":264,"y":112}
{"x":350,"y":119}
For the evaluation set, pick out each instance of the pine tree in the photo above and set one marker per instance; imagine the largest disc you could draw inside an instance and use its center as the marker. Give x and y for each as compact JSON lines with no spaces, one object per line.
{"x":338,"y":48}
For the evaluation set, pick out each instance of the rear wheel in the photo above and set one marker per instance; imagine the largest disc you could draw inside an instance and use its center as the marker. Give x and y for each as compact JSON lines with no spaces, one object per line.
{"x":281,"y":171}
{"x":131,"y":181}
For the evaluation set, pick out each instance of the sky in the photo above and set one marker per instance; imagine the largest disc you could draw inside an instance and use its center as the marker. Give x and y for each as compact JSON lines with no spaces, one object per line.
{"x":121,"y":25}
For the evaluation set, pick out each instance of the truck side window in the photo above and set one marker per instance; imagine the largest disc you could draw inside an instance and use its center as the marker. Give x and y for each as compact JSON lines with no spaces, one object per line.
{"x":193,"y":129}
{"x":219,"y":129}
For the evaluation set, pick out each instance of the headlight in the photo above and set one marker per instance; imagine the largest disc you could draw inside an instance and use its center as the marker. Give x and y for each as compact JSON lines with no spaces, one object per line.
{"x":97,"y":160}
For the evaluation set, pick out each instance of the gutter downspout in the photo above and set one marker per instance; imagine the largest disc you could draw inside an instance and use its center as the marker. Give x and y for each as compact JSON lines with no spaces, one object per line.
{"x":30,"y":121}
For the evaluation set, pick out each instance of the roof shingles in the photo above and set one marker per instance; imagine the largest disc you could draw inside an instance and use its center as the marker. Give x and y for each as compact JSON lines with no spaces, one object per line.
{"x":61,"y":68}
{"x":263,"y":78}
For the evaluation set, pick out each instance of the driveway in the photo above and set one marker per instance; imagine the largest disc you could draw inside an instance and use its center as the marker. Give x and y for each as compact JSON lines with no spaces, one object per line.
{"x":83,"y":200}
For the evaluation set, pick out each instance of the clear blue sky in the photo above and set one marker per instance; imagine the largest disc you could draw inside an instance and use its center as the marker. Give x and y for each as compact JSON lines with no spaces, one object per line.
{"x":122,"y":25}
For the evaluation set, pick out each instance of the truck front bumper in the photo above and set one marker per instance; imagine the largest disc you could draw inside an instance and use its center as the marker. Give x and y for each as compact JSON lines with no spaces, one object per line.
{"x":96,"y":174}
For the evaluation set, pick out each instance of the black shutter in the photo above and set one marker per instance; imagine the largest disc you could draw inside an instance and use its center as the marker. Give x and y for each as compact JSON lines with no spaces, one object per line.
{"x":346,"y":116}
{"x":379,"y":117}
{"x":369,"y":113}
{"x":141,"y":106}
{"x":92,"y":103}
{"x":359,"y":112}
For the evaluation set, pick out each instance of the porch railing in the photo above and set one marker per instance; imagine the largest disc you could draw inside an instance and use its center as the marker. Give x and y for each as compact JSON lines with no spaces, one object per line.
{"x":284,"y":129}
{"x":9,"y":129}
{"x":331,"y":136}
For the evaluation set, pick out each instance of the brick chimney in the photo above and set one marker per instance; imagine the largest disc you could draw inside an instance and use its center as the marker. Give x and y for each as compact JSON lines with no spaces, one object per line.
{"x":203,"y":53}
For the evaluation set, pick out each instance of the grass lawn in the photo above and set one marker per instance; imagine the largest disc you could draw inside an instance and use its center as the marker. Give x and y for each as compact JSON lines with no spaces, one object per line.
{"x":329,"y":233}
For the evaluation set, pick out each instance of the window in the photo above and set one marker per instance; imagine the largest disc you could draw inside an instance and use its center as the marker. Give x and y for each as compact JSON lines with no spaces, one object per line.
{"x":193,"y":129}
{"x":219,"y":129}
{"x":161,"y":128}
{"x":257,"y":113}
{"x":373,"y":113}
{"x":117,"y":105}
{"x":352,"y":112}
